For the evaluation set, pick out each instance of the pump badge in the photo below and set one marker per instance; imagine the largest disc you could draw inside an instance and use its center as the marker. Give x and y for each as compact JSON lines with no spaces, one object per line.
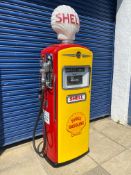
{"x":76,"y":122}
{"x":76,"y":98}
{"x":46,"y":117}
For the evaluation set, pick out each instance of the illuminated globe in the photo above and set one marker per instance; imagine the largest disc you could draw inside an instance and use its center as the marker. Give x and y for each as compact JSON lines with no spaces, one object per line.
{"x":65,"y":22}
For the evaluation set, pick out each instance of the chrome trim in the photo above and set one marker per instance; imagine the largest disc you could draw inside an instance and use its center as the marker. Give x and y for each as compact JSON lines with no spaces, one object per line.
{"x":69,"y":55}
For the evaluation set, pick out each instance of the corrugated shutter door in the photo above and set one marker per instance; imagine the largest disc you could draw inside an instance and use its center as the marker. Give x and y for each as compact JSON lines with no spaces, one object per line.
{"x":24,"y":30}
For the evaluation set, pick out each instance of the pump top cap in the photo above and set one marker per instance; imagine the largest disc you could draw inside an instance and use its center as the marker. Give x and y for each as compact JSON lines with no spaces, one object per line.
{"x":65,"y":22}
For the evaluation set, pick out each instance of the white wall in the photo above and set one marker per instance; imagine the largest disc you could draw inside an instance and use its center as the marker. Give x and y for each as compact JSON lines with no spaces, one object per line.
{"x":129,"y":108}
{"x":121,"y":98}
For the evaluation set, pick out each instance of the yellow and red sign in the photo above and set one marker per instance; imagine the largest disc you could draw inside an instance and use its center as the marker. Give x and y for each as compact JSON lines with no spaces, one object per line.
{"x":76,"y":123}
{"x":76,"y":98}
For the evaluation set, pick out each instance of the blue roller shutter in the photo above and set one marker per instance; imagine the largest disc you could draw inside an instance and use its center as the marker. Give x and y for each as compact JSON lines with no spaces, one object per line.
{"x":25,"y":30}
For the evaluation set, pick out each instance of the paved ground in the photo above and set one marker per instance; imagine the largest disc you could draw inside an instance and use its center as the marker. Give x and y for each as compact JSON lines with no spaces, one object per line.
{"x":110,"y":154}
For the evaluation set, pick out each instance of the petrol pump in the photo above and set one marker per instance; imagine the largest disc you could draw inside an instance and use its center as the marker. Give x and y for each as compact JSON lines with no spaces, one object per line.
{"x":66,"y":90}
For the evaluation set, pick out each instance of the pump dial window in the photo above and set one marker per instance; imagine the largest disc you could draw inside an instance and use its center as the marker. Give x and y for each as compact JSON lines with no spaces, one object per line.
{"x":75,"y":69}
{"x":76,"y":77}
{"x":74,"y":80}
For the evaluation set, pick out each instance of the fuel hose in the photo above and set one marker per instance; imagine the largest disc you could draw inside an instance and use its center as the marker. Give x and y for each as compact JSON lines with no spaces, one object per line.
{"x":40,"y":153}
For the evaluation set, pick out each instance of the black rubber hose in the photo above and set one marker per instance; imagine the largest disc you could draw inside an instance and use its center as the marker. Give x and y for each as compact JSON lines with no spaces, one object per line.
{"x":40,"y":153}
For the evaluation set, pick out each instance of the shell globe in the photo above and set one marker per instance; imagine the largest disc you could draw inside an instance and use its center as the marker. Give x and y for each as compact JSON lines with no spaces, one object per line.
{"x":65,"y":22}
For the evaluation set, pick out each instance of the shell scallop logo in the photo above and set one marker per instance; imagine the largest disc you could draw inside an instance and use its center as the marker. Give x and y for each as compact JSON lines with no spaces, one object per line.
{"x":65,"y":22}
{"x":76,"y":123}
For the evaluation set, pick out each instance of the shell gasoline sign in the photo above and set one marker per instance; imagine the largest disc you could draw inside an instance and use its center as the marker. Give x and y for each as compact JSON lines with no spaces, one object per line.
{"x":76,"y":123}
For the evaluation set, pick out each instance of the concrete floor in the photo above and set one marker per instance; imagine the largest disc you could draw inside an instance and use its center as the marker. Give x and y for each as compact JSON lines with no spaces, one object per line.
{"x":110,"y":153}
